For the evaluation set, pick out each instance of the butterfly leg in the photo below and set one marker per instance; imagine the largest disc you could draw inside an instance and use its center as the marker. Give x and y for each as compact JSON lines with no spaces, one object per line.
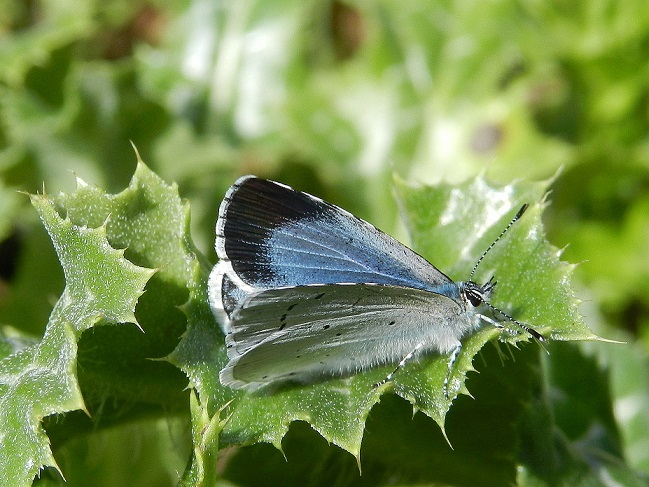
{"x":451,"y":361}
{"x":499,"y":325}
{"x":496,"y":324}
{"x":403,"y":362}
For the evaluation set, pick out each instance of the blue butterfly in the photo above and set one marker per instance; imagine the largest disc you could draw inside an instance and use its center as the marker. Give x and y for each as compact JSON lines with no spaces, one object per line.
{"x":304,"y":290}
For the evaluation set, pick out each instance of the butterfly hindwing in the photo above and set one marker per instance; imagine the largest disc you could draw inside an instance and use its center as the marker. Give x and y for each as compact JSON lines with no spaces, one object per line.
{"x":301,"y":333}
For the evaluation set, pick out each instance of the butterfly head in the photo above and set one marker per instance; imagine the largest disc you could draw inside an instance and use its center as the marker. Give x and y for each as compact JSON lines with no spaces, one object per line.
{"x":476,"y":294}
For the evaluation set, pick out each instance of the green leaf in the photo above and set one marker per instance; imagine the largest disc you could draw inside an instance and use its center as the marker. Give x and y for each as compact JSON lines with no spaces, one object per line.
{"x":569,"y":434}
{"x":12,"y":341}
{"x":59,"y":26}
{"x":451,"y":226}
{"x":147,"y":453}
{"x":151,"y":222}
{"x":122,"y":369}
{"x":41,"y":380}
{"x":405,"y":449}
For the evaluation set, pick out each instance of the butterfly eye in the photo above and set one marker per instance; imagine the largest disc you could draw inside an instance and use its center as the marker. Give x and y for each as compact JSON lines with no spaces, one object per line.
{"x":474,"y":298}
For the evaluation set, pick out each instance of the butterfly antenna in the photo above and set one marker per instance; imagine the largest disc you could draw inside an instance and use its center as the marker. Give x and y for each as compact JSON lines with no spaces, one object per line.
{"x":513,"y":220}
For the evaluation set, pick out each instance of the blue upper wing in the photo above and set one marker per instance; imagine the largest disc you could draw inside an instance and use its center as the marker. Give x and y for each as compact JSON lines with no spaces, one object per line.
{"x":273,"y":236}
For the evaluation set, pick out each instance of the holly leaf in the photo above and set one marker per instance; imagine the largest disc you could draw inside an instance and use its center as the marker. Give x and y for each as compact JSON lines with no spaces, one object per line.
{"x":452,"y":226}
{"x":41,"y":380}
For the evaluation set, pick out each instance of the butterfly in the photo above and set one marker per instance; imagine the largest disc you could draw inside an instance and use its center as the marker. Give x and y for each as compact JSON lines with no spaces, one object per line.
{"x":305,"y":291}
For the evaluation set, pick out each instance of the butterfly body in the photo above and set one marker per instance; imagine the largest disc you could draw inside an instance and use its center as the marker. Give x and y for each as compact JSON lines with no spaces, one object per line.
{"x":305,"y":290}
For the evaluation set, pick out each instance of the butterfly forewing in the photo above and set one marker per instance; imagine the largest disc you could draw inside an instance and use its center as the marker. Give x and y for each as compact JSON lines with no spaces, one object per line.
{"x":274,"y":236}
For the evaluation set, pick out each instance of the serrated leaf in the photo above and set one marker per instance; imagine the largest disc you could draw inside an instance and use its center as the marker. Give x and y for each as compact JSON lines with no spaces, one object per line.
{"x":451,"y":226}
{"x":403,"y":449}
{"x":121,"y":366}
{"x":151,"y":221}
{"x":41,"y":380}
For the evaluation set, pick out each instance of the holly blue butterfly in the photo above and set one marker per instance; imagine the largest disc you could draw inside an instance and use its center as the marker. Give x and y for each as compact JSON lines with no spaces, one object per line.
{"x":304,"y":290}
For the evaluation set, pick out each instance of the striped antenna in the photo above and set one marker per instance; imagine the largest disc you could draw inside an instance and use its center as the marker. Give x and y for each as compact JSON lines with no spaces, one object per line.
{"x":509,"y":225}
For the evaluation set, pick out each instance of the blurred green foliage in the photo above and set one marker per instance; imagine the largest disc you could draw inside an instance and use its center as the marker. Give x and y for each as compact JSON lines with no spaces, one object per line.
{"x":334,"y":98}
